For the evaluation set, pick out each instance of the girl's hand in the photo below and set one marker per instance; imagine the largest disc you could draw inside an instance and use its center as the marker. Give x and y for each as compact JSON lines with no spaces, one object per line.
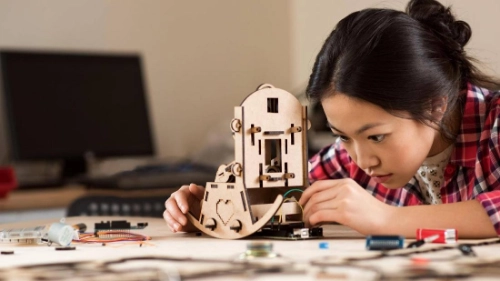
{"x":345,"y":202}
{"x":186,"y":199}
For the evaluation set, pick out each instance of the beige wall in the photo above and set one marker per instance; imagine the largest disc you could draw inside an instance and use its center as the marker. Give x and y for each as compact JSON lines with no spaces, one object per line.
{"x":312,"y":22}
{"x":202,"y":58}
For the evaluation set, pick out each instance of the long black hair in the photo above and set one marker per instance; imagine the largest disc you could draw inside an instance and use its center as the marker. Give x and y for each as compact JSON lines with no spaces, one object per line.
{"x":401,"y":61}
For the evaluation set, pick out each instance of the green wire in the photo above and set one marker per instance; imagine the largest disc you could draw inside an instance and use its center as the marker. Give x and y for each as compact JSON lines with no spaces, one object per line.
{"x":285,"y":194}
{"x":291,"y":190}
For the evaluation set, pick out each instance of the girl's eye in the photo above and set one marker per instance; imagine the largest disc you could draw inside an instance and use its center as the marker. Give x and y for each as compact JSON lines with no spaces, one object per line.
{"x":377,"y":138}
{"x":342,"y":138}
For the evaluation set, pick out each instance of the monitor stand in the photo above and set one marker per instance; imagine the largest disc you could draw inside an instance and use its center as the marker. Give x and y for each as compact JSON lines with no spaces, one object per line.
{"x":73,"y":167}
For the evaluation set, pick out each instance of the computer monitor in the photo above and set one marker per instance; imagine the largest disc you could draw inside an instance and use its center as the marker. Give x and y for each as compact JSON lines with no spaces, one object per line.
{"x":62,"y":105}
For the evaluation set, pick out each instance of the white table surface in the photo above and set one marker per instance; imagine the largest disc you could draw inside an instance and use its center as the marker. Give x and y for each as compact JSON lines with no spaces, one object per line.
{"x":297,"y":260}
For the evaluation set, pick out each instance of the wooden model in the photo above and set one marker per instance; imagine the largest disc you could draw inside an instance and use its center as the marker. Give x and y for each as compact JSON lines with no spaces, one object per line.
{"x":269,"y":130}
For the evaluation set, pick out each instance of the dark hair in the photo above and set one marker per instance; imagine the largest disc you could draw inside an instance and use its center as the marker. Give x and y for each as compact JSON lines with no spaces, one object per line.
{"x":399,"y":61}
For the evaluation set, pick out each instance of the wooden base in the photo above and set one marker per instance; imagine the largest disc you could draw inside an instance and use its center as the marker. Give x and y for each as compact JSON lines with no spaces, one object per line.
{"x":221,"y":231}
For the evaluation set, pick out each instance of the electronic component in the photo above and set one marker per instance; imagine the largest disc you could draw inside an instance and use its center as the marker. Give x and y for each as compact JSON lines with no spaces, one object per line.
{"x":80,"y":227}
{"x":58,"y":232}
{"x":111,"y":236}
{"x":324,"y":245}
{"x":290,"y":231}
{"x":65,"y":248}
{"x":113,"y":231}
{"x":384,"y":242}
{"x":466,"y":250}
{"x":117,"y":226}
{"x":445,"y":236}
{"x":259,"y":250}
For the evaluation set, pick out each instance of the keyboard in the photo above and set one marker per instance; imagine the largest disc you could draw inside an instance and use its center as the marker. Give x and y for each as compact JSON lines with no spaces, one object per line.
{"x":155,"y":176}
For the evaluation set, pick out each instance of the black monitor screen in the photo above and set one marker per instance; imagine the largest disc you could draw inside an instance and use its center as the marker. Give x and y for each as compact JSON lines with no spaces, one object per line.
{"x":62,"y":105}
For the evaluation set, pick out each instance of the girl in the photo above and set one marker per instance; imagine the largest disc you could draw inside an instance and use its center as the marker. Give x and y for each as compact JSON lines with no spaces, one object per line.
{"x":416,"y":124}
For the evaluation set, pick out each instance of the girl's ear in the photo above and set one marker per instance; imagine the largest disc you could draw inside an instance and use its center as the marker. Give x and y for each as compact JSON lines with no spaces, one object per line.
{"x":439,"y":107}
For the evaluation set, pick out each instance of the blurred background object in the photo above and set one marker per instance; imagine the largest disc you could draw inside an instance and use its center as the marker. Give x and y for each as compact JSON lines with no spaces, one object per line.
{"x":8,"y":180}
{"x":71,"y":108}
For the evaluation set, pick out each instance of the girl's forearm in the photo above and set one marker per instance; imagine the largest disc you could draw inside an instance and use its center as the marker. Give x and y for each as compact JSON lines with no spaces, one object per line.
{"x":468,"y":218}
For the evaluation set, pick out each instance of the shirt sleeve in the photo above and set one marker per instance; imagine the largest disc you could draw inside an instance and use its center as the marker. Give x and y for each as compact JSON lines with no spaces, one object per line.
{"x":491,"y":203}
{"x":490,"y":198}
{"x":329,"y":163}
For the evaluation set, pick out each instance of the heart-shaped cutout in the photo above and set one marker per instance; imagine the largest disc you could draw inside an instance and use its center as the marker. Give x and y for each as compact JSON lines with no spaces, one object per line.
{"x":225,"y":210}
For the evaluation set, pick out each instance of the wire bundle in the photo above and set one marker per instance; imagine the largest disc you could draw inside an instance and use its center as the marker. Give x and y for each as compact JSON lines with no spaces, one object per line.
{"x":110,"y":236}
{"x":280,"y":211}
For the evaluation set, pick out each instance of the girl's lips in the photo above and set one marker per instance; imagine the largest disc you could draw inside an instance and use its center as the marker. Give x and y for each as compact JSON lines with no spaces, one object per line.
{"x":382,"y":178}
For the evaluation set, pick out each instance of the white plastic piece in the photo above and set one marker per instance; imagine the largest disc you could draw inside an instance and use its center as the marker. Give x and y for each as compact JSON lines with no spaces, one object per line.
{"x":58,"y":232}
{"x":61,"y":233}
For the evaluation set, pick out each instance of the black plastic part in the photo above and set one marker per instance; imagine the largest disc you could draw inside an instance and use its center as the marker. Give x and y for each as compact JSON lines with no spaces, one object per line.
{"x":65,"y":248}
{"x":286,"y":231}
{"x":117,"y":225}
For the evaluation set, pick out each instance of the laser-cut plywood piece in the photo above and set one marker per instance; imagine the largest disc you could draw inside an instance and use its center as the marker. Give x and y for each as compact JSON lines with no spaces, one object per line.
{"x":269,"y":130}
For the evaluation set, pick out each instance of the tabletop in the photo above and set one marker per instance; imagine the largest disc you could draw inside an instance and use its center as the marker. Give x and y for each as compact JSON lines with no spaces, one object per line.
{"x":339,"y":255}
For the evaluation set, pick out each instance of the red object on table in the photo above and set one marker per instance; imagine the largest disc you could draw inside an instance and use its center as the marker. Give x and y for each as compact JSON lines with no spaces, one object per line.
{"x":446,"y":236}
{"x":8,"y":180}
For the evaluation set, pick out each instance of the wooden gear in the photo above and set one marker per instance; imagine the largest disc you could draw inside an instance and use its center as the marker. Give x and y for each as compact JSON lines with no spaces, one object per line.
{"x":269,"y":130}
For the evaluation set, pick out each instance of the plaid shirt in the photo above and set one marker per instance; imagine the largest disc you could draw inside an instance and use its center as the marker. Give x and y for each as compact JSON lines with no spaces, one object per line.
{"x":473,"y":171}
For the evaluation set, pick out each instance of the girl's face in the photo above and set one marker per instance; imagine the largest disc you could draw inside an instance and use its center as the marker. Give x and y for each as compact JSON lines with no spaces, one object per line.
{"x":386,"y":147}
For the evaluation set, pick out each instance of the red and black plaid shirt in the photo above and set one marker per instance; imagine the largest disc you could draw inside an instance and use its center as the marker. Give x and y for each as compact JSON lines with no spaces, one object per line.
{"x":473,"y":171}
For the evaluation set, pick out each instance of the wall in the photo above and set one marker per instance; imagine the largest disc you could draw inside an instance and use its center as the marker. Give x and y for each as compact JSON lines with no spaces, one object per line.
{"x":312,"y":22}
{"x":202,"y":58}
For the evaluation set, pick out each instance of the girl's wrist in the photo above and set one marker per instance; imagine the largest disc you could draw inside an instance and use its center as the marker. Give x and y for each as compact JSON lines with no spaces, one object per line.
{"x":389,"y":219}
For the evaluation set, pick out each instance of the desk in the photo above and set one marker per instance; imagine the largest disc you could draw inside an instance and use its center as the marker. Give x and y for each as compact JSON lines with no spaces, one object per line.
{"x":42,"y":198}
{"x":32,"y":204}
{"x":170,"y":256}
{"x":61,"y":197}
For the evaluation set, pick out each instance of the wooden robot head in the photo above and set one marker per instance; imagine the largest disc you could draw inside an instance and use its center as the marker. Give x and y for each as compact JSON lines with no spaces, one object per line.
{"x":269,"y":130}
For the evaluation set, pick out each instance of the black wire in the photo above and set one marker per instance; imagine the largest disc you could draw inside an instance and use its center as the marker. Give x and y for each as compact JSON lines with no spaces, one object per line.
{"x":82,"y":269}
{"x":465,"y":248}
